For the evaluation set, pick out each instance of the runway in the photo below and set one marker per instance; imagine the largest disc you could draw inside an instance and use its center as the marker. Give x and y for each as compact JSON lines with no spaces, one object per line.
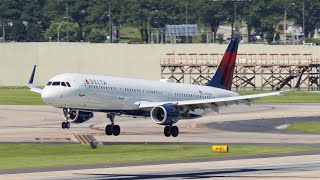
{"x":256,"y":125}
{"x":42,"y":124}
{"x":290,"y":167}
{"x":274,"y":125}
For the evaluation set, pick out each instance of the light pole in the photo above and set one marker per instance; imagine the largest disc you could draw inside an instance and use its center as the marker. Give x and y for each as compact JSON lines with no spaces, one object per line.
{"x":285,"y":23}
{"x":3,"y":33}
{"x":110,"y":28}
{"x":148,"y":26}
{"x":187,"y":21}
{"x":59,"y":31}
{"x":317,"y":26}
{"x":303,"y":25}
{"x":67,"y":13}
{"x":234,"y":20}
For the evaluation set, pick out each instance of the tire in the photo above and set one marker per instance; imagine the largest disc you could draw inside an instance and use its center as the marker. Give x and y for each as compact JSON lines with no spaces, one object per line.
{"x":167,"y":131}
{"x":116,"y":130}
{"x":109,"y":130}
{"x":63,"y":125}
{"x":174,"y":131}
{"x":67,"y":124}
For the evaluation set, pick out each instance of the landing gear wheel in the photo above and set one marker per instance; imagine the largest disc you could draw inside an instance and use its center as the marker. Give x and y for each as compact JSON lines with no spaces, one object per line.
{"x":167,"y":131}
{"x":174,"y":131}
{"x":116,"y":130}
{"x":109,"y":130}
{"x":67,"y":125}
{"x":63,"y":125}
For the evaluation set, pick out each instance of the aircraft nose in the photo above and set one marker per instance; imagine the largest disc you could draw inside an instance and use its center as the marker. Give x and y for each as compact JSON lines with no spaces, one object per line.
{"x":48,"y":96}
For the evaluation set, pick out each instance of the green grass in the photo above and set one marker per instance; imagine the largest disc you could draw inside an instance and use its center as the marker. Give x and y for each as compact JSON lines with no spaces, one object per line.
{"x":305,"y":127}
{"x":19,"y":96}
{"x":288,"y":97}
{"x":28,"y":156}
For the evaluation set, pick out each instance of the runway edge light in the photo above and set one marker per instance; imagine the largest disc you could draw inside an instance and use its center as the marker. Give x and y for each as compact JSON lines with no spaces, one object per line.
{"x":220,"y":148}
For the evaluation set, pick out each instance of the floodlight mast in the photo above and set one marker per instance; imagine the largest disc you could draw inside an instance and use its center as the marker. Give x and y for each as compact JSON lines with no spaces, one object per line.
{"x":59,"y":31}
{"x":285,"y":23}
{"x":67,"y":13}
{"x":3,"y":33}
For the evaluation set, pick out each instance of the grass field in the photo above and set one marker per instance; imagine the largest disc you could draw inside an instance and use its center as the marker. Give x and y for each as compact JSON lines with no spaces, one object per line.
{"x":19,"y":96}
{"x":305,"y":127}
{"x":28,"y":156}
{"x":288,"y":97}
{"x":22,"y":96}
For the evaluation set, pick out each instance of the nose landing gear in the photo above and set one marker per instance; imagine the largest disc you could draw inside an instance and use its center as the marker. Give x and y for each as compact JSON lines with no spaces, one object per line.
{"x":65,"y":125}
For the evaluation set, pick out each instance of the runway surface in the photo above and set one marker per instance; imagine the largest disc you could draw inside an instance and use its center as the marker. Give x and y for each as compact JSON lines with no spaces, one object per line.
{"x":274,"y":125}
{"x":42,"y":124}
{"x":258,"y":125}
{"x":291,"y":167}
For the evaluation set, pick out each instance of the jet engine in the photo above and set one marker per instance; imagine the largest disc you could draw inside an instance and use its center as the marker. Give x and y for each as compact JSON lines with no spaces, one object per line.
{"x":75,"y":116}
{"x":165,"y":114}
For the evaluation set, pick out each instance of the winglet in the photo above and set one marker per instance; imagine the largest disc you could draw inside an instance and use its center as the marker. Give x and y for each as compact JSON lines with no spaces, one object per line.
{"x":30,"y":82}
{"x":297,"y":86}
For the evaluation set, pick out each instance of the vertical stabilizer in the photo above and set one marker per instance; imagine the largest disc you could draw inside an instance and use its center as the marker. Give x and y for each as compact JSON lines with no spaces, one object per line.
{"x":224,"y":73}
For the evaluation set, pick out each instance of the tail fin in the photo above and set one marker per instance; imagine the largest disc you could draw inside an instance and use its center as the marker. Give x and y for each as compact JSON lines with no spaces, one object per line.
{"x":224,"y":73}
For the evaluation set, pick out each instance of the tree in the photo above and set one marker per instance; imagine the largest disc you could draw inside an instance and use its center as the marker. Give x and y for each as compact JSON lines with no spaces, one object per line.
{"x":31,"y":15}
{"x":214,"y":13}
{"x":34,"y":33}
{"x":52,"y":32}
{"x":263,"y":16}
{"x":97,"y":35}
{"x":312,"y":17}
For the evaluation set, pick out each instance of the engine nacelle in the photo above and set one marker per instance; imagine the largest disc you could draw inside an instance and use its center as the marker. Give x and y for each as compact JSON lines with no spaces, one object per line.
{"x":165,"y":114}
{"x":77,"y":116}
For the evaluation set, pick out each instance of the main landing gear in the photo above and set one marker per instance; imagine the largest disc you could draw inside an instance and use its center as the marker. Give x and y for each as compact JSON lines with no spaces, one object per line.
{"x":112,"y":129}
{"x":65,"y":125}
{"x":171,"y":130}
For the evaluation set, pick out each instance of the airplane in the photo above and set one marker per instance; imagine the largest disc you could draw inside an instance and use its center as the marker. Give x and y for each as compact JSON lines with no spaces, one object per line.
{"x":166,"y":102}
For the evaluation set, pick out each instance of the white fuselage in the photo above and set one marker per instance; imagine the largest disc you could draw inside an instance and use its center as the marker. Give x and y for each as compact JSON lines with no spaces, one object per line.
{"x":106,"y":93}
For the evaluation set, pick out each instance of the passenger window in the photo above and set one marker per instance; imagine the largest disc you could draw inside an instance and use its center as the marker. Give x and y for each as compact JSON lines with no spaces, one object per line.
{"x":55,"y":83}
{"x":63,"y":84}
{"x":68,"y":84}
{"x":49,"y":83}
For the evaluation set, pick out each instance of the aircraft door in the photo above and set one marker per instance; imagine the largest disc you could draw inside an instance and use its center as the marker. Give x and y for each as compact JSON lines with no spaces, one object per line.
{"x":82,"y":90}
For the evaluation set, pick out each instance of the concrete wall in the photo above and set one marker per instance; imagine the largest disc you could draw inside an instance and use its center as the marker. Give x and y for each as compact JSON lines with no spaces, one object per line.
{"x":138,"y":61}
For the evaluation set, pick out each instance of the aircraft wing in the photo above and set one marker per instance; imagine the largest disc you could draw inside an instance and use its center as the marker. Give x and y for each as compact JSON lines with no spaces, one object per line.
{"x":214,"y":104}
{"x":30,"y":82}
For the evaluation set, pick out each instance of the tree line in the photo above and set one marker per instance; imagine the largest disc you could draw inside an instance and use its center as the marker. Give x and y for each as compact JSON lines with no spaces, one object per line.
{"x":91,"y":20}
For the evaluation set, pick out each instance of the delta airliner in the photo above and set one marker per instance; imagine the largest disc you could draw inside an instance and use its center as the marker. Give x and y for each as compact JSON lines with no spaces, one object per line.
{"x":80,"y":95}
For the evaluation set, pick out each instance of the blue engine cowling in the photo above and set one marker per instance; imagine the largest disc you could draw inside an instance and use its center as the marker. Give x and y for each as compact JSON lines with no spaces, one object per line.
{"x":165,"y":114}
{"x":77,"y":116}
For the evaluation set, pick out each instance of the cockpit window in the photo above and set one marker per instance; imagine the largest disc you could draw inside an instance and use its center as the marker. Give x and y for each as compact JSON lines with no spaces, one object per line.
{"x":63,"y":84}
{"x":49,"y":83}
{"x":68,"y":84}
{"x":55,"y":84}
